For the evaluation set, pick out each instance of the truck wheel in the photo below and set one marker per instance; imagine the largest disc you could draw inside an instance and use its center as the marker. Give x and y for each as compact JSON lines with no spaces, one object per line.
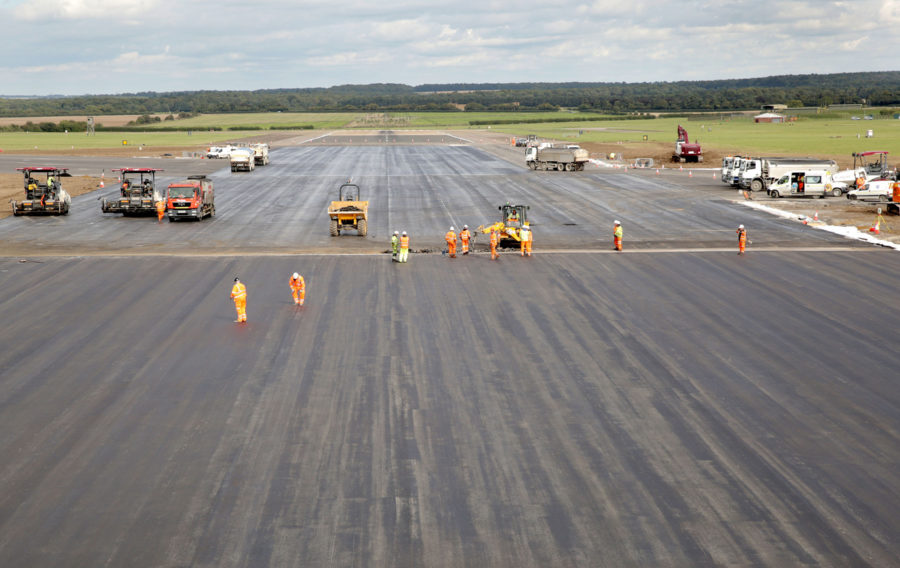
{"x":775,"y":194}
{"x":570,"y":167}
{"x":756,"y":185}
{"x":362,"y":228}
{"x":883,"y":198}
{"x":333,"y":230}
{"x":531,"y":165}
{"x":560,"y":167}
{"x":836,"y":192}
{"x":581,"y":167}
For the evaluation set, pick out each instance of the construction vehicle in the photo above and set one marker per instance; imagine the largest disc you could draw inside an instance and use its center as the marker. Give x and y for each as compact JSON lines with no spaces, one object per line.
{"x":758,"y":174}
{"x":261,"y":154}
{"x":684,"y":150}
{"x":138,"y":194}
{"x":43,"y":193}
{"x":243,"y":159}
{"x":806,"y":183}
{"x":867,"y":165}
{"x":512,"y":218}
{"x":192,"y":198}
{"x":349,"y":211}
{"x":560,"y":159}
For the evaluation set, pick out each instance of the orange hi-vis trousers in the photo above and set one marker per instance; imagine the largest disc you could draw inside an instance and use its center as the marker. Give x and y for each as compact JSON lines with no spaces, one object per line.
{"x":298,"y":291}
{"x":451,"y":248}
{"x":742,"y":243}
{"x":465,"y":245}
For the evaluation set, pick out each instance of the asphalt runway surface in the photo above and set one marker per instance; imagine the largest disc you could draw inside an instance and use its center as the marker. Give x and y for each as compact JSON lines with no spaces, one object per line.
{"x":678,"y":406}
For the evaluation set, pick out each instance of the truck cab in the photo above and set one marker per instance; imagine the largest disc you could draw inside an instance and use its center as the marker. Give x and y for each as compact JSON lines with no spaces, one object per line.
{"x":193,"y":198}
{"x":805,"y":183}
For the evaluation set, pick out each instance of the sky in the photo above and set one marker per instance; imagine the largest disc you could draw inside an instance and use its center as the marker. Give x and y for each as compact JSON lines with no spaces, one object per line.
{"x":74,"y":47}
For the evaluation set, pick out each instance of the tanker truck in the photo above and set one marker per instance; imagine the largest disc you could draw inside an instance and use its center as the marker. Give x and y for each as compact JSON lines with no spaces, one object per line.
{"x":553,"y":158}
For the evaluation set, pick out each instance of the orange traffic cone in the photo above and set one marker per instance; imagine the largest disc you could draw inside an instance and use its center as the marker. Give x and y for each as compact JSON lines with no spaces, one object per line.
{"x":690,"y":173}
{"x":101,"y":184}
{"x":816,"y":216}
{"x":657,"y":171}
{"x":877,"y":228}
{"x":680,"y":168}
{"x":714,"y":175}
{"x":806,"y":220}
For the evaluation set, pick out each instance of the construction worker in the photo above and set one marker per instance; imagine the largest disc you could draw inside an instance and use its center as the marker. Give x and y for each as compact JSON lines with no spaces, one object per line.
{"x":742,"y":239}
{"x":160,"y":210}
{"x":32,"y":187}
{"x":125,"y":186}
{"x":404,"y":247}
{"x":464,"y":237}
{"x":239,"y":294}
{"x":298,"y":288}
{"x":526,"y":239}
{"x":495,"y":240}
{"x":617,"y":236}
{"x":395,"y":245}
{"x":860,"y":181}
{"x":450,"y":237}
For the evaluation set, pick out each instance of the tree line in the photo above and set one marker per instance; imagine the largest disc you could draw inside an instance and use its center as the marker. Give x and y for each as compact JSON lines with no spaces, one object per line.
{"x":870,"y":88}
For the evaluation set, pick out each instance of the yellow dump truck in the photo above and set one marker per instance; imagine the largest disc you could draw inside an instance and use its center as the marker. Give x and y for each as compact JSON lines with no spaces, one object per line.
{"x":349,"y":212}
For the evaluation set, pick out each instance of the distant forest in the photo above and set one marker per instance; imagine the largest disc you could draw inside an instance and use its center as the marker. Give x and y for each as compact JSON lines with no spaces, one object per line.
{"x":873,"y":89}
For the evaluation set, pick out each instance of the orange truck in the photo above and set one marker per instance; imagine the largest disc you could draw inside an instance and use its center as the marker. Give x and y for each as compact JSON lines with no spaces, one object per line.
{"x":192,"y":198}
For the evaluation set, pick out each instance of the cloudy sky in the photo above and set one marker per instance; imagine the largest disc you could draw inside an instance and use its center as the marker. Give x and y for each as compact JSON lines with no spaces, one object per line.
{"x":113,"y":46}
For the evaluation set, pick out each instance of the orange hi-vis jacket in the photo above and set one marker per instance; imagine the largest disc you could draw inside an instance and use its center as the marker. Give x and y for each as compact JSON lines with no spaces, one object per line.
{"x":404,"y":241}
{"x":465,"y":235}
{"x":239,"y":291}
{"x":297,"y":285}
{"x":450,"y":237}
{"x":495,"y":238}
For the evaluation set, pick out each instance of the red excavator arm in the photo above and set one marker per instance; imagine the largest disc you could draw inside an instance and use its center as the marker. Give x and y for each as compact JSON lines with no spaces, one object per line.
{"x":683,"y":135}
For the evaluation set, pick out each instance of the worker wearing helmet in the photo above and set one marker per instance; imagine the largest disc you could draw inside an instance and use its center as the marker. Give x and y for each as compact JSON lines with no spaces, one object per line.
{"x":239,"y":294}
{"x":860,"y":181}
{"x":617,"y":236}
{"x":298,"y":288}
{"x":404,"y":247}
{"x":526,"y":237}
{"x":450,"y":237}
{"x":395,"y":245}
{"x":464,"y":237}
{"x":742,"y":239}
{"x":495,"y":240}
{"x":160,"y":210}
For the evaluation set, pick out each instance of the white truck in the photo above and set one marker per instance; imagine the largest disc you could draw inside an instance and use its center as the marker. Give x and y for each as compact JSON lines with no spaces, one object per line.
{"x":261,"y":154}
{"x":758,"y":173}
{"x":552,"y":158}
{"x":216,"y":152}
{"x":243,"y":160}
{"x":805,"y":183}
{"x":731,"y":174}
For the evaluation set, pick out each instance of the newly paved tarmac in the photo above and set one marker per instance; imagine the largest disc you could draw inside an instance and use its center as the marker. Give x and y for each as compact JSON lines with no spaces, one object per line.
{"x":660,"y":408}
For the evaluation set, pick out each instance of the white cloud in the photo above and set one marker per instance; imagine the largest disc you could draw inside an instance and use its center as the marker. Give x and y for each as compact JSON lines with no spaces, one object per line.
{"x":82,"y":9}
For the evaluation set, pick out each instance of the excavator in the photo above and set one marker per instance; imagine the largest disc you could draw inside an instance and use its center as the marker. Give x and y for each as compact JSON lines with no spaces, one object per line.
{"x":512,"y":218}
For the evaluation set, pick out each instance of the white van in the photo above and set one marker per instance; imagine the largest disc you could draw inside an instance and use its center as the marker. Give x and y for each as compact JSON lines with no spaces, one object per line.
{"x":806,"y":183}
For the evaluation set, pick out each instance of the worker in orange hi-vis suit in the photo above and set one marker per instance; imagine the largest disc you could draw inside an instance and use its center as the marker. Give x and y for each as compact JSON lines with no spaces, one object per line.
{"x":527,"y":237}
{"x":464,"y":237}
{"x":160,"y":210}
{"x":495,"y":240}
{"x":298,"y":288}
{"x":617,"y":236}
{"x":239,"y":293}
{"x":742,"y":239}
{"x":450,"y":237}
{"x":404,"y":247}
{"x":860,"y":181}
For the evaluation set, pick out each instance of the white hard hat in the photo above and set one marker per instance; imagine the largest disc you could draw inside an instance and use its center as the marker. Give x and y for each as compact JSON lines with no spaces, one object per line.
{"x":465,"y":226}
{"x":396,"y":232}
{"x":451,"y":228}
{"x":404,"y":233}
{"x":740,"y":226}
{"x":296,"y":276}
{"x":616,"y":223}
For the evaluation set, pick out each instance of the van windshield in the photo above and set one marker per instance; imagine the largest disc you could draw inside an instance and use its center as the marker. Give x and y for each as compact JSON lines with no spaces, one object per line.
{"x":784,"y":179}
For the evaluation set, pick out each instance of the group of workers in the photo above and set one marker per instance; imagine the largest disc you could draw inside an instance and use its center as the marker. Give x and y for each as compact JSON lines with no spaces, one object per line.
{"x":239,"y":294}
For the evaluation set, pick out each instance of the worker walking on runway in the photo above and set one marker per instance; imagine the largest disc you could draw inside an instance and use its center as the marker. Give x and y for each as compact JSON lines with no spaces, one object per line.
{"x":464,"y":237}
{"x":395,"y":245}
{"x":527,"y":238}
{"x":239,"y":294}
{"x":404,"y":247}
{"x":160,"y":210}
{"x":298,"y":288}
{"x":450,"y":237}
{"x":617,"y":236}
{"x":495,"y":240}
{"x":742,"y":239}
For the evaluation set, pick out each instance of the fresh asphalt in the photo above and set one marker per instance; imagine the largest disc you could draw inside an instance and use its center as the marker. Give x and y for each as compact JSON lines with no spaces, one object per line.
{"x":684,"y":406}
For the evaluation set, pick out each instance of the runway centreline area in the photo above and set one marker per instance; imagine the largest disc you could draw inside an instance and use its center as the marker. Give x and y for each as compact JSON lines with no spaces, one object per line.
{"x":672,"y":405}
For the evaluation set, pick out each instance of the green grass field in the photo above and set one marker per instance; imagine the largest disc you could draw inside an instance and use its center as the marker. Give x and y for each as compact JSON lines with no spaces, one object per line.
{"x":818,"y":137}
